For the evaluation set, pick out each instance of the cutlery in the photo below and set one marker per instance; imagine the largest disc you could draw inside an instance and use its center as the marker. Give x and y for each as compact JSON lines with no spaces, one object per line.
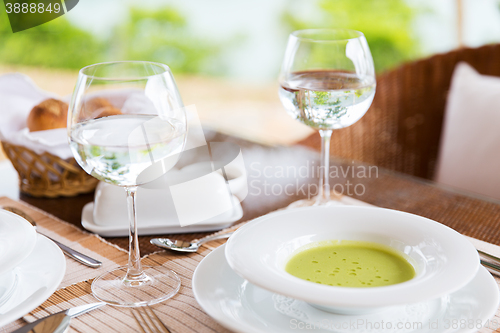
{"x":57,"y":322}
{"x":492,"y":268}
{"x":149,"y":321}
{"x":80,"y":257}
{"x":183,"y":246}
{"x":487,"y":255}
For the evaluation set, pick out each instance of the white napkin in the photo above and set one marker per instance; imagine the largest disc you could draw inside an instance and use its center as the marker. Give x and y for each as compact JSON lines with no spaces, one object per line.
{"x":8,"y":283}
{"x":31,"y":281}
{"x":18,"y":95}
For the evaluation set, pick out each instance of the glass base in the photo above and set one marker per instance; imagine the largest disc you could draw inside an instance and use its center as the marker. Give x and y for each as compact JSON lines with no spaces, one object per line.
{"x":156,"y":285}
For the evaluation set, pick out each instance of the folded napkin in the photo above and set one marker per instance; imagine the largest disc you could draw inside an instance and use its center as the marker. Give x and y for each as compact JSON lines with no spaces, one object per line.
{"x":8,"y":284}
{"x":31,"y":280}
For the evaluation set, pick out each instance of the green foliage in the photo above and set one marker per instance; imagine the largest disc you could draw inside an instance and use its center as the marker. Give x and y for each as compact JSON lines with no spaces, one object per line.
{"x":162,"y":35}
{"x":53,"y":44}
{"x":158,"y":35}
{"x":387,"y":25}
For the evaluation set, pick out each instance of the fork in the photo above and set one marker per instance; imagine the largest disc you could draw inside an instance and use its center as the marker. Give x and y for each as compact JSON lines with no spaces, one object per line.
{"x":149,"y":321}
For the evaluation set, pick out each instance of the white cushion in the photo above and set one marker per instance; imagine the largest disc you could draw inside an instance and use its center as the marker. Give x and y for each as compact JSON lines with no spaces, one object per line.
{"x":469,"y":156}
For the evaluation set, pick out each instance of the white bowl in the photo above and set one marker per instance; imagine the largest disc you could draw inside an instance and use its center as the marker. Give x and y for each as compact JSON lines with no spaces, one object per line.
{"x":444,"y":260}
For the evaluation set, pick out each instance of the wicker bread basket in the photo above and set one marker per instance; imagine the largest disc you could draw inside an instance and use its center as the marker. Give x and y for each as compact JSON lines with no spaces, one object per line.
{"x":47,"y":175}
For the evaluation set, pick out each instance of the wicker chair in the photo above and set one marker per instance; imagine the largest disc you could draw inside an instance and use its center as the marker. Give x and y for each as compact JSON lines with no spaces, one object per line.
{"x":402,"y":128}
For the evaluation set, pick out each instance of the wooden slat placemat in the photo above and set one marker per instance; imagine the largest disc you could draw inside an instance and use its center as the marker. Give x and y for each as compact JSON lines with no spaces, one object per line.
{"x":182,"y":313}
{"x":92,"y":245}
{"x":110,"y":255}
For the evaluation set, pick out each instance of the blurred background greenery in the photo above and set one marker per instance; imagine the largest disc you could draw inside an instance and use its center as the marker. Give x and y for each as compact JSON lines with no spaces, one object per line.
{"x":161,"y":31}
{"x":146,"y":34}
{"x":387,"y":25}
{"x":56,"y":44}
{"x":226,"y":54}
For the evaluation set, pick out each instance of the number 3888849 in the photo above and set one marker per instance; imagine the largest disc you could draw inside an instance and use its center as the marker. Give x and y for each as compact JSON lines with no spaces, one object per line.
{"x":25,"y":7}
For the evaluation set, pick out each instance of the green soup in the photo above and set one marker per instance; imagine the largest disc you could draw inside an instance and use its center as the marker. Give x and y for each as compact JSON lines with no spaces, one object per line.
{"x":350,"y":264}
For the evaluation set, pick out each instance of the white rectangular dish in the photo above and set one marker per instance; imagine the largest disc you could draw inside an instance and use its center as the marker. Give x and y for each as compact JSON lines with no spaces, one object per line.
{"x":158,"y":210}
{"x":145,"y":227}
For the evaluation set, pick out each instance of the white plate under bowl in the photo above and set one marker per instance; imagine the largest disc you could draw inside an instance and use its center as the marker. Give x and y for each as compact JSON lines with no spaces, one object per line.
{"x":144,"y":228}
{"x":443,"y":259}
{"x":243,"y":307}
{"x":17,"y":240}
{"x":46,"y":266}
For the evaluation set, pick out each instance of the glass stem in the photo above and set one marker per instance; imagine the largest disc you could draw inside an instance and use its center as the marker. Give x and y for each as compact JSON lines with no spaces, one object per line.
{"x":324,"y":182}
{"x":134,"y":271}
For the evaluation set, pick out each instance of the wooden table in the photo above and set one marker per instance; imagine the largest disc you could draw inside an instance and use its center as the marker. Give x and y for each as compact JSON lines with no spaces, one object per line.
{"x":470,"y":215}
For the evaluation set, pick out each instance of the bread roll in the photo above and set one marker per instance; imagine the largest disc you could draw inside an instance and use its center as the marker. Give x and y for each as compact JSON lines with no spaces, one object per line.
{"x":49,"y":114}
{"x":108,"y":111}
{"x":98,"y":107}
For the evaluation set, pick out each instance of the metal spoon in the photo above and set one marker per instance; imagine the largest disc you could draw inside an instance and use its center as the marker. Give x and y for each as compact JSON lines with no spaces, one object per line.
{"x":492,"y":268}
{"x":183,"y":246}
{"x":80,"y":257}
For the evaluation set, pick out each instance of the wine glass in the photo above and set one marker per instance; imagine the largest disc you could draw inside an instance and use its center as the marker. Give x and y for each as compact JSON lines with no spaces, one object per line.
{"x":327,"y":81}
{"x":127,"y":127}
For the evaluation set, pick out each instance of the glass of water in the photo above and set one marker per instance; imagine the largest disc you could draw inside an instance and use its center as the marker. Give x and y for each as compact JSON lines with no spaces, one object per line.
{"x":327,"y":82}
{"x":127,"y":127}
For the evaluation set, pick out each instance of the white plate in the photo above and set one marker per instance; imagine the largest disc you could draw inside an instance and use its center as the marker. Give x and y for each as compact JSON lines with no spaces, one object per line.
{"x":217,"y":223}
{"x":17,"y":240}
{"x":240,"y":306}
{"x":46,"y":264}
{"x":444,"y":260}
